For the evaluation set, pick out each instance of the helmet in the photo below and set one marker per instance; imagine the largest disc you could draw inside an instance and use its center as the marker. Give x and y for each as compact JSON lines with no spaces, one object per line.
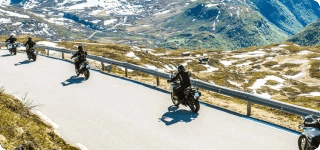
{"x":80,"y":48}
{"x":29,"y":38}
{"x":180,"y":68}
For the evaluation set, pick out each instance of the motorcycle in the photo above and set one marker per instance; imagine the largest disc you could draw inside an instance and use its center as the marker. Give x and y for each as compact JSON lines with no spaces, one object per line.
{"x":190,"y":98}
{"x":83,"y":69}
{"x":310,"y":138}
{"x":31,"y":53}
{"x":12,"y":47}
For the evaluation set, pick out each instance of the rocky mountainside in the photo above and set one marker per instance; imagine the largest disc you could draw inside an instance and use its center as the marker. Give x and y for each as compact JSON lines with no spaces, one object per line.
{"x":190,"y":24}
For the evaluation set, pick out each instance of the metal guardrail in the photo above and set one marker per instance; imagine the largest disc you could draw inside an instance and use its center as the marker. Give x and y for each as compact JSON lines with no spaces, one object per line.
{"x":250,"y":98}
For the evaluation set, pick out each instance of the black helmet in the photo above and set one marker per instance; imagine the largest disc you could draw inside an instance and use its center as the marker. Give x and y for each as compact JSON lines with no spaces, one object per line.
{"x":80,"y":48}
{"x":180,"y":68}
{"x":29,"y":38}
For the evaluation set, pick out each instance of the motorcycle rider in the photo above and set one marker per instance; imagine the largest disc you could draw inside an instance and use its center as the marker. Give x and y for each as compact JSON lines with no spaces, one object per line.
{"x":11,"y":39}
{"x":82,"y":57}
{"x":30,"y":44}
{"x":184,"y":77}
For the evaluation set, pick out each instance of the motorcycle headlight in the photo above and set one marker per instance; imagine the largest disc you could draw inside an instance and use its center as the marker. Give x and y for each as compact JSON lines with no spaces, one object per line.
{"x":196,"y":94}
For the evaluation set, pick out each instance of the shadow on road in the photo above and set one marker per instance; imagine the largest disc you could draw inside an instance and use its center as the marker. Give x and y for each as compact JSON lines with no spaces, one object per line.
{"x":6,"y":55}
{"x":73,"y":80}
{"x":174,"y":116}
{"x":23,"y":62}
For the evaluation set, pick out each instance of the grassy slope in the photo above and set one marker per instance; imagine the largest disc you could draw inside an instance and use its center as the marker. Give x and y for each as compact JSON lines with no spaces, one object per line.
{"x":309,"y":36}
{"x":19,"y":127}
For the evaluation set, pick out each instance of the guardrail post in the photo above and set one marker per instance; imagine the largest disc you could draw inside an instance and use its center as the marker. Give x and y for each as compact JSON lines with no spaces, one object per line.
{"x":62,"y":55}
{"x":126,"y":72}
{"x":248,"y":108}
{"x":158,"y":81}
{"x":103,"y":66}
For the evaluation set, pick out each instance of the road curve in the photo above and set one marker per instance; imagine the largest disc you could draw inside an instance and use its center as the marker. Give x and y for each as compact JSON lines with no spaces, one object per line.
{"x":111,"y":113}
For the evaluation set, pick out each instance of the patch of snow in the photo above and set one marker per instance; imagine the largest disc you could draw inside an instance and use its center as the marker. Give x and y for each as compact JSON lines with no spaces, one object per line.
{"x":275,"y":66}
{"x":244,"y":64}
{"x":283,"y":45}
{"x":47,"y":43}
{"x":299,"y":75}
{"x":153,"y":68}
{"x":211,"y":5}
{"x":111,"y":21}
{"x":304,"y":52}
{"x":132,"y":55}
{"x":13,"y":14}
{"x":123,"y":69}
{"x":234,"y":83}
{"x":4,"y":20}
{"x":310,"y":94}
{"x":299,"y":61}
{"x":186,"y":63}
{"x":227,"y":62}
{"x":269,"y":58}
{"x":317,"y":58}
{"x":209,"y":68}
{"x":95,"y":21}
{"x":264,"y":95}
{"x":17,"y":23}
{"x":250,"y":54}
{"x":262,"y":82}
{"x":161,"y":13}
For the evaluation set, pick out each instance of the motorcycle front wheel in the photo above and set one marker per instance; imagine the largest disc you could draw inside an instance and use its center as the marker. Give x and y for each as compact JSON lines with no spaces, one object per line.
{"x":15,"y":51}
{"x":194,"y":105}
{"x":302,"y":143}
{"x":34,"y":57}
{"x":86,"y":73}
{"x":174,"y":99}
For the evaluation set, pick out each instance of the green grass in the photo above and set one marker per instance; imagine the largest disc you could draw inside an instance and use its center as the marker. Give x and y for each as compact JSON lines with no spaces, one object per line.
{"x":270,"y":63}
{"x":20,"y":127}
{"x":314,"y":71}
{"x":292,"y":72}
{"x":272,"y":82}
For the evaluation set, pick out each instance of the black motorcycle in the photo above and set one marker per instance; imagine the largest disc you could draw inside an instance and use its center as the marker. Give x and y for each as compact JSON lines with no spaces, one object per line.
{"x":83,"y":69}
{"x":12,"y":47}
{"x":190,"y":98}
{"x":31,"y":53}
{"x":310,"y":138}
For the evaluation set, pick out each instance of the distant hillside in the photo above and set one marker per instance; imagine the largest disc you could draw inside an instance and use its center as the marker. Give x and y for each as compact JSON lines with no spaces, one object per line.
{"x":309,"y":36}
{"x":226,"y":26}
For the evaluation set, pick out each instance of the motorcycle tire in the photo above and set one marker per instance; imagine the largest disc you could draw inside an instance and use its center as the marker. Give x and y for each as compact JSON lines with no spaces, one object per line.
{"x":194,"y":105}
{"x":34,"y":57}
{"x":175,"y":100}
{"x":15,"y":52}
{"x":86,"y":73}
{"x":302,"y":143}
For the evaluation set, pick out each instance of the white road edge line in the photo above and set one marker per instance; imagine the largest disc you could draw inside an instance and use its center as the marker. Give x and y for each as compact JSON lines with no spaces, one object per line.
{"x":82,"y":147}
{"x":54,"y":125}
